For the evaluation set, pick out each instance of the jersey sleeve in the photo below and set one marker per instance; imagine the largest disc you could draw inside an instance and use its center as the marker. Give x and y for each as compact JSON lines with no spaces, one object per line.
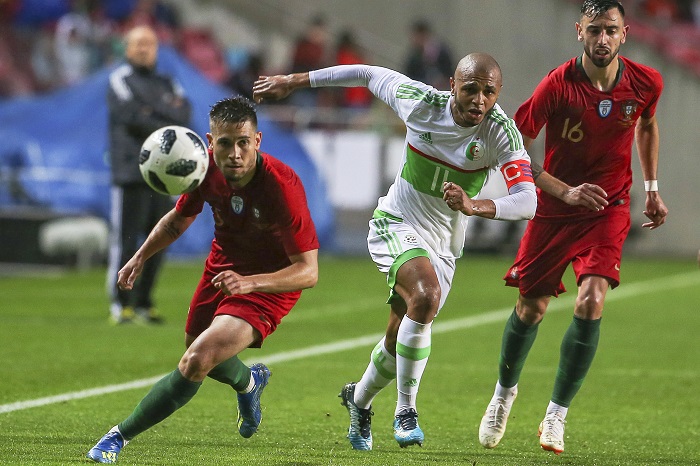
{"x":657,"y":86}
{"x":398,"y":91}
{"x":298,"y":232}
{"x":514,"y":163}
{"x":508,"y":145}
{"x":535,"y":111}
{"x":190,"y":204}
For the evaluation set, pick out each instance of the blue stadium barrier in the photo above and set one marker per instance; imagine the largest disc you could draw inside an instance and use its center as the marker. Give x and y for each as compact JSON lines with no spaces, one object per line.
{"x":54,"y":147}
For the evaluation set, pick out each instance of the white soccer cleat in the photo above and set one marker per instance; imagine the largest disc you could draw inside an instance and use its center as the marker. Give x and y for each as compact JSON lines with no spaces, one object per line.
{"x":493,"y":424}
{"x":551,"y":433}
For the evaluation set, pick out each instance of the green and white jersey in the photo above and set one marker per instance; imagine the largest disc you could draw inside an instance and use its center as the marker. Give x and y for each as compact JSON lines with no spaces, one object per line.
{"x":436,"y":150}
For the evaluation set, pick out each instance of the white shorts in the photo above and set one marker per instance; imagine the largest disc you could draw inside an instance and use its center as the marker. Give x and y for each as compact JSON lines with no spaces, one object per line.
{"x":391,"y":243}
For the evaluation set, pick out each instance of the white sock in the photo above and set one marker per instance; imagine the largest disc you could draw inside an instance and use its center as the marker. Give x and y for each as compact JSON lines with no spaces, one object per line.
{"x":379,"y":373}
{"x":554,"y":408}
{"x":412,"y":351}
{"x":251,"y":385}
{"x":507,"y":394}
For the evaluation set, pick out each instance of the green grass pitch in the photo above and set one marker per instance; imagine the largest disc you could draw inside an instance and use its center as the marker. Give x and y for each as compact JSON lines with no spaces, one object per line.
{"x":638,"y":405}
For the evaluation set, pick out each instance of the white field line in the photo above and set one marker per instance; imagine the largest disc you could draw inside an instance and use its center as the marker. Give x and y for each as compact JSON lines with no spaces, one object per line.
{"x":498,"y":315}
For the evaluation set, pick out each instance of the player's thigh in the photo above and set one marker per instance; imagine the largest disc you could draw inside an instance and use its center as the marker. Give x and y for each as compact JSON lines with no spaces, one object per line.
{"x":599,"y":247}
{"x":226,"y":336}
{"x":542,"y":258}
{"x":393,"y":243}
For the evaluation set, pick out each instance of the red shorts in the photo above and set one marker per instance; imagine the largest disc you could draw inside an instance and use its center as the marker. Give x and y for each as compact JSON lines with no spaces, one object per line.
{"x":263,"y":311}
{"x":593,"y":247}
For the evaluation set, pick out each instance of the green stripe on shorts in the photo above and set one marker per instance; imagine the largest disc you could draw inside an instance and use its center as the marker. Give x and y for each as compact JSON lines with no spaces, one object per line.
{"x":398,"y":262}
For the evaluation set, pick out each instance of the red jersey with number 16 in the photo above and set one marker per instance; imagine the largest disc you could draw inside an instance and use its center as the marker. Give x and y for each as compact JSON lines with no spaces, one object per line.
{"x":589,"y":133}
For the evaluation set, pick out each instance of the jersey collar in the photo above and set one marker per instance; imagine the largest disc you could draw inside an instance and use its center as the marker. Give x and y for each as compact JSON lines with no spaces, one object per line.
{"x":618,"y":77}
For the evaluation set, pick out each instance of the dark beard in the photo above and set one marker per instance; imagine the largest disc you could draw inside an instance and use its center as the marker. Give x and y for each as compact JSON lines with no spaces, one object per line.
{"x":602,"y":63}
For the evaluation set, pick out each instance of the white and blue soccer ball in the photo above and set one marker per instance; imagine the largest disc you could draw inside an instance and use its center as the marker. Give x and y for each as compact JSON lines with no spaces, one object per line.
{"x":174,"y":160}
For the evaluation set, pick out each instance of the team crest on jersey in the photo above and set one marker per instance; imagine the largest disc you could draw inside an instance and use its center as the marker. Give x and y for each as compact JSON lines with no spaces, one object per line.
{"x":475,"y":150}
{"x":237,"y":204}
{"x":629,"y":108}
{"x":410,"y":239}
{"x":604,"y":108}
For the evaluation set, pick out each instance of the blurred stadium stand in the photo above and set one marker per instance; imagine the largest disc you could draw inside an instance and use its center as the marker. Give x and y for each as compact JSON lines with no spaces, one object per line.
{"x":53,"y":163}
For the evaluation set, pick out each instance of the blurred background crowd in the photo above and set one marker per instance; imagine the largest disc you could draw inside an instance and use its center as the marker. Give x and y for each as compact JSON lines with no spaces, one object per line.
{"x":48,"y":44}
{"x":57,"y":54}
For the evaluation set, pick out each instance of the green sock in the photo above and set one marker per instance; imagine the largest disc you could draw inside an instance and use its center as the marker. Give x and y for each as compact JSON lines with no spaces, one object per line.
{"x":515,"y":346}
{"x":232,"y":372}
{"x":577,"y":351}
{"x":167,"y":395}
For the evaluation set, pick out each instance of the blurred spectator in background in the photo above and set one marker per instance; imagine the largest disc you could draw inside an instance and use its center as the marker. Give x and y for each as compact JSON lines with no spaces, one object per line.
{"x":82,"y":41}
{"x":14,"y":80}
{"x":429,"y":59}
{"x":241,"y":81}
{"x":311,"y":51}
{"x":695,"y":13}
{"x":140,"y":101}
{"x":662,"y":12}
{"x":162,"y":17}
{"x":43,"y":59}
{"x":348,"y":52}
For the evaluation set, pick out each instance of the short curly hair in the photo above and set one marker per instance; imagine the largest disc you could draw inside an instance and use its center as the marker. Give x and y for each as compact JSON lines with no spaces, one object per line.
{"x":595,"y":8}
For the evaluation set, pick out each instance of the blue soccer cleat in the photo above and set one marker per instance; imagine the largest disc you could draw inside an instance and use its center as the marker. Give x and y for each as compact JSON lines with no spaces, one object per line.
{"x":406,"y":430}
{"x":359,"y":432}
{"x":249,"y":412}
{"x":108,"y":448}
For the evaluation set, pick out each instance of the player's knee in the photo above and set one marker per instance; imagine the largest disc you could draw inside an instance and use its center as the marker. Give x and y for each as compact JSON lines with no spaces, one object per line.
{"x":589,"y":305}
{"x":424,"y":304}
{"x":195,"y":366}
{"x":531,"y":311}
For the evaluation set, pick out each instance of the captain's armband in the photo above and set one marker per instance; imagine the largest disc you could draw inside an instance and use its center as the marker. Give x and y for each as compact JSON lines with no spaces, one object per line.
{"x":517,"y":171}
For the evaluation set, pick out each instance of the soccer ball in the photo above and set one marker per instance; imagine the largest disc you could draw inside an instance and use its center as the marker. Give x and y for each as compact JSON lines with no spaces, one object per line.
{"x":173,"y":160}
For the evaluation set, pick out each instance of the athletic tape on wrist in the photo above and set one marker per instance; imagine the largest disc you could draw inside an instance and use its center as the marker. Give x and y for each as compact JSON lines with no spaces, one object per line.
{"x":651,"y":185}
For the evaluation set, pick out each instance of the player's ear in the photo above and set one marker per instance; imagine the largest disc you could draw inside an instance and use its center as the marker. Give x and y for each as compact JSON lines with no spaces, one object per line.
{"x":625,"y":30}
{"x":579,"y":32}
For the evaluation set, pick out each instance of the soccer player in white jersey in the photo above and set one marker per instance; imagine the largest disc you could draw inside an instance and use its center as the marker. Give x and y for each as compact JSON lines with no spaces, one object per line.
{"x":454,"y":140}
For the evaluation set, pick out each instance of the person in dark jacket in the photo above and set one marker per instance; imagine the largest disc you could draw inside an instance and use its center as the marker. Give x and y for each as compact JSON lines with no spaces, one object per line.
{"x":140,"y":101}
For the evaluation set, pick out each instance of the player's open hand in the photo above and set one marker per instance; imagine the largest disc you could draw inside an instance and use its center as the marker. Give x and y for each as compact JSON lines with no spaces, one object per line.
{"x":587,"y":195}
{"x":230,"y":283}
{"x":272,"y":88}
{"x":656,"y":211}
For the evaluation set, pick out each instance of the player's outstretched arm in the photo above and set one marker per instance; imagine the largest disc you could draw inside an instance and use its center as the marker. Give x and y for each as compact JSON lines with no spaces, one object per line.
{"x":279,"y":86}
{"x":167,"y":230}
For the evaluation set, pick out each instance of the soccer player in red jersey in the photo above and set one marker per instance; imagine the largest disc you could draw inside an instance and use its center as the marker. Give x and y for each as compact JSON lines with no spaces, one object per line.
{"x":264,"y":252}
{"x":594,"y":107}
